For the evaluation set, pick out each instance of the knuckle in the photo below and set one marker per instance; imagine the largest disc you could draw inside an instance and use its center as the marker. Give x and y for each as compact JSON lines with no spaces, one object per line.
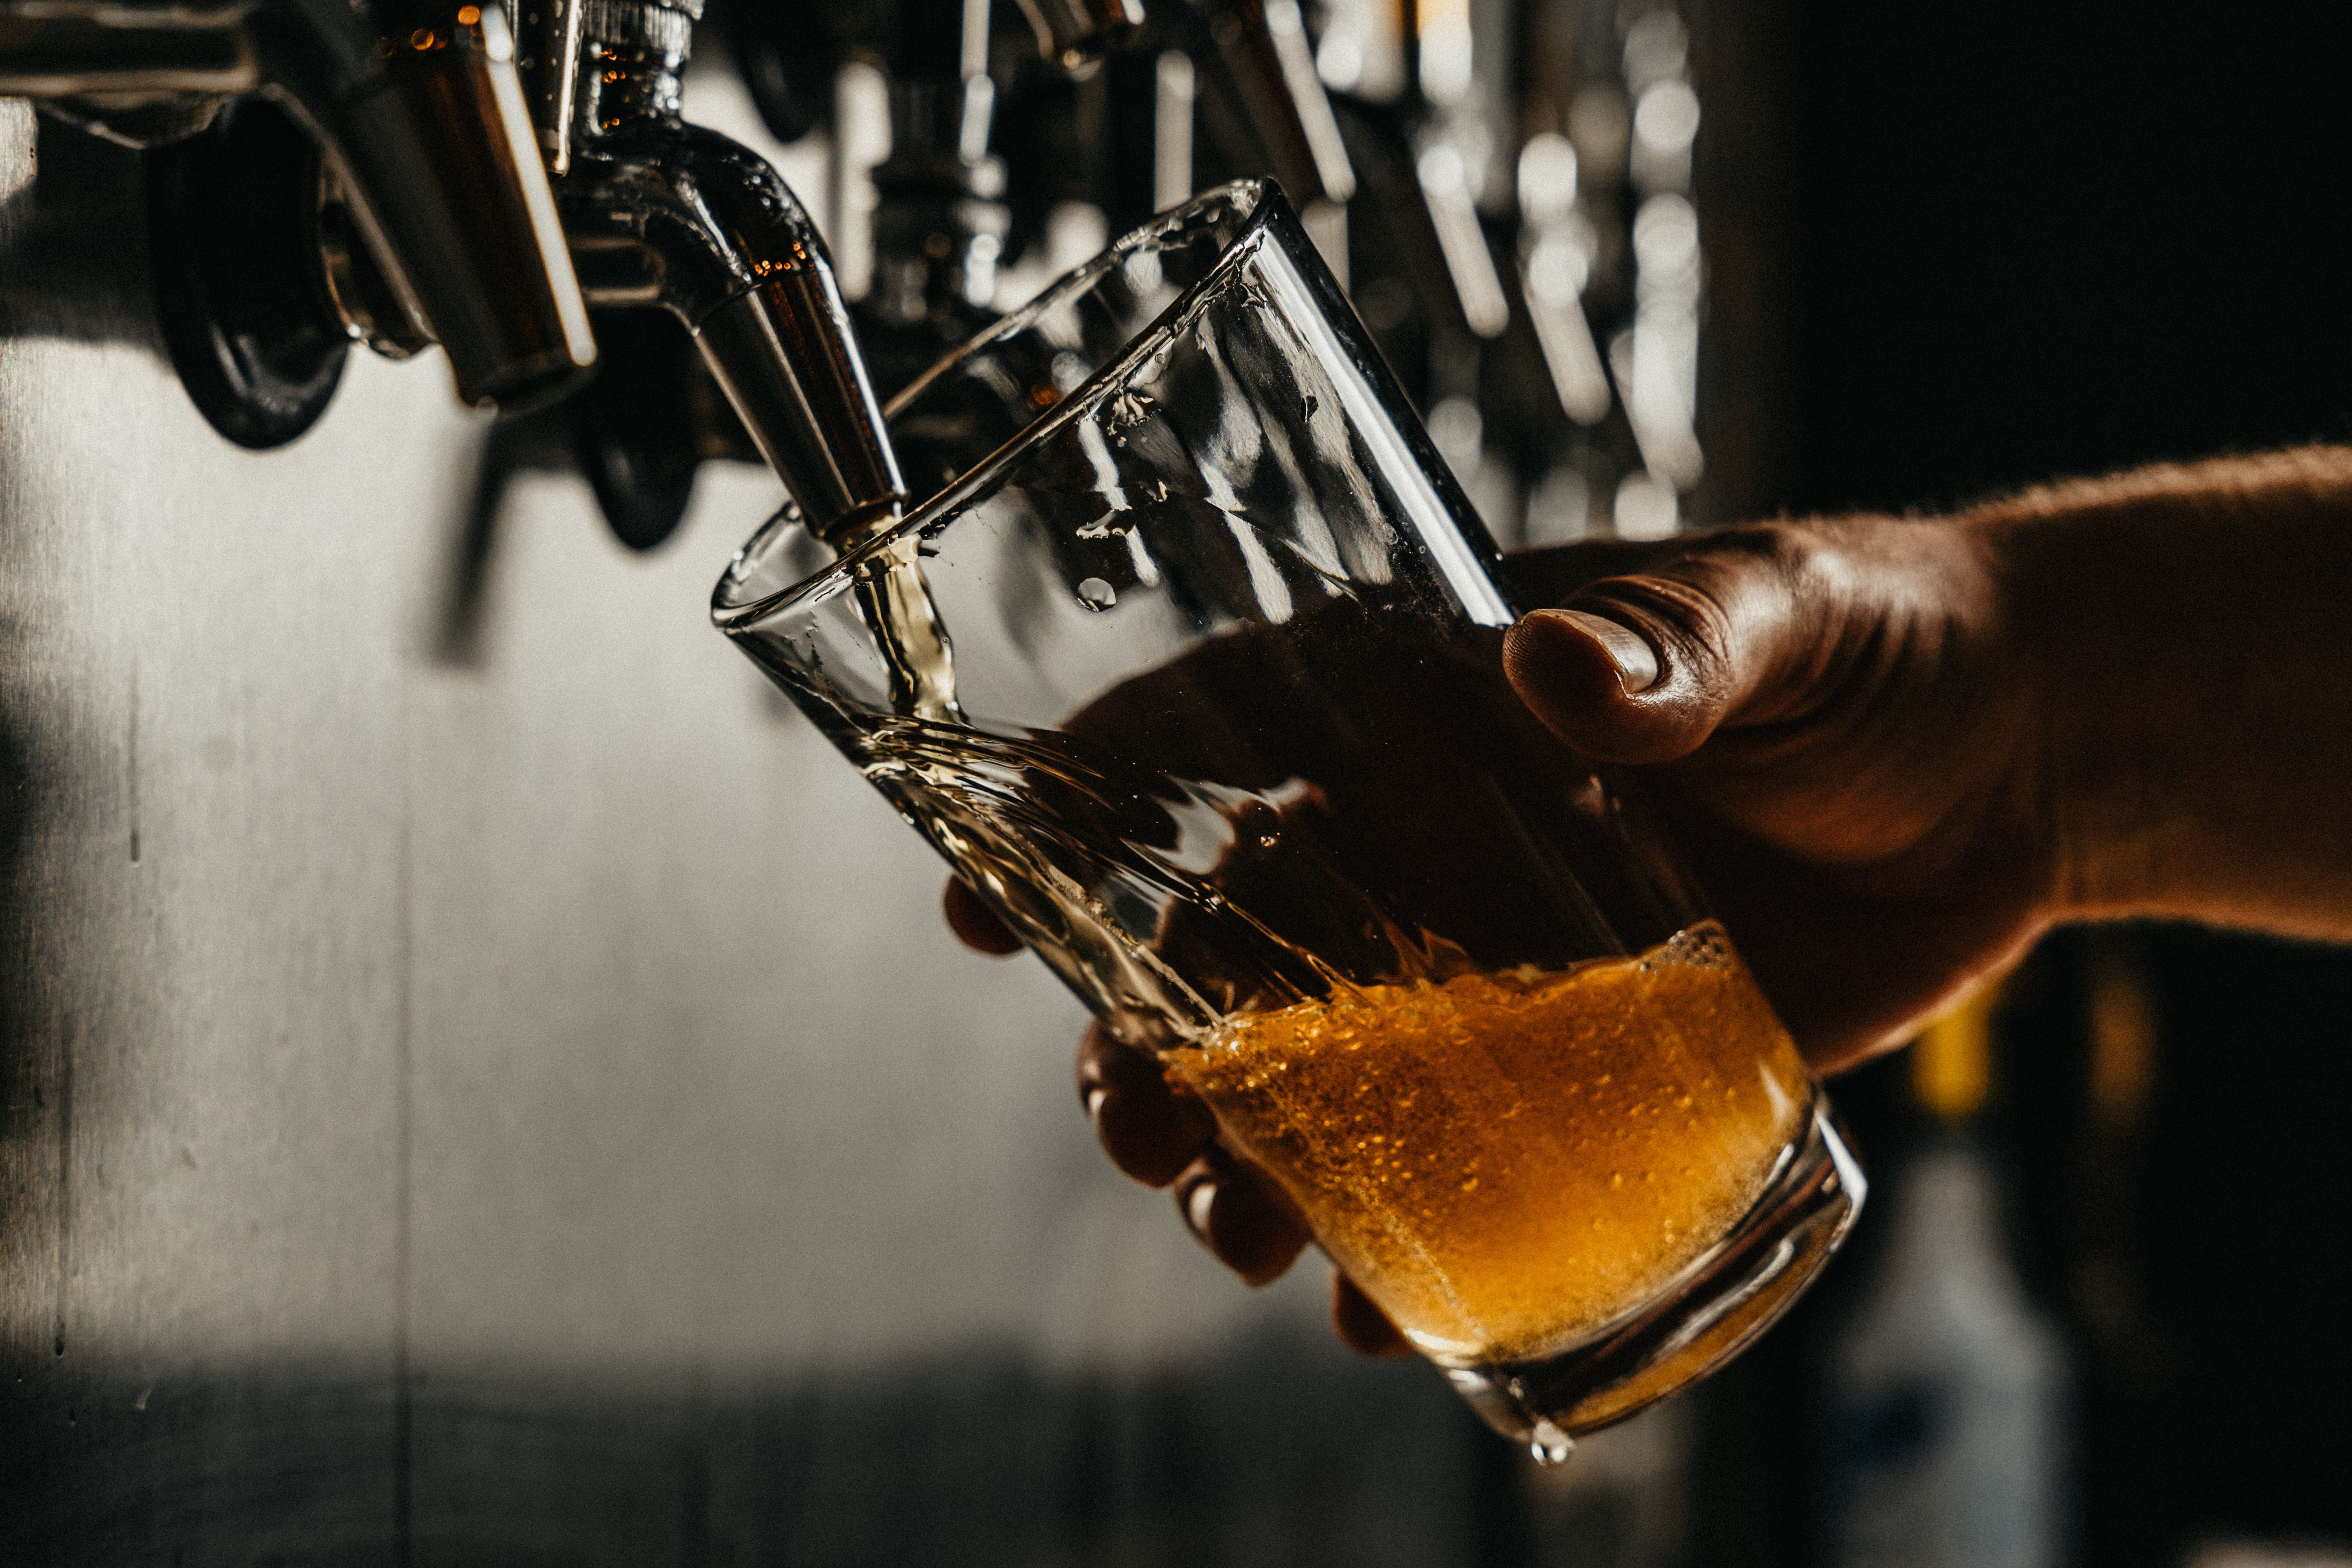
{"x":1716,"y":605}
{"x":1752,"y":574}
{"x":1774,"y":557}
{"x":1682,"y":607}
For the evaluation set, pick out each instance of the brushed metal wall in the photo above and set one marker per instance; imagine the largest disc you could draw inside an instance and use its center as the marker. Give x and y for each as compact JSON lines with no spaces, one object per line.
{"x":508,"y":1097}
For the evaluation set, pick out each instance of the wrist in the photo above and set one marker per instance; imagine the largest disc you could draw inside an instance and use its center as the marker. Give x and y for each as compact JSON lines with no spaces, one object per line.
{"x":2184,"y":634}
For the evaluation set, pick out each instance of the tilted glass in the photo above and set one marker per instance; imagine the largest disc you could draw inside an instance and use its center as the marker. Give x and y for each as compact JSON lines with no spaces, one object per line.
{"x":1191,"y":668}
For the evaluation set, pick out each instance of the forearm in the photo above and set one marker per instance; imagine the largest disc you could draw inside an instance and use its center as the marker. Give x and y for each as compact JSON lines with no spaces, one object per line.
{"x":2190,"y":634}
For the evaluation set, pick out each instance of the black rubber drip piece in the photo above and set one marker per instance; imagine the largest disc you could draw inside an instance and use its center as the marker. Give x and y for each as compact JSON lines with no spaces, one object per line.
{"x":638,"y":429}
{"x":233,"y":222}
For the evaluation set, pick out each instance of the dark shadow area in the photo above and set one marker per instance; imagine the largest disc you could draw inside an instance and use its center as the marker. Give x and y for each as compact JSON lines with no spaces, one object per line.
{"x":76,"y":266}
{"x":1964,"y":251}
{"x":1276,"y":1451}
{"x":72,"y":265}
{"x":2038,"y":241}
{"x":460,"y":630}
{"x":36,"y":1074}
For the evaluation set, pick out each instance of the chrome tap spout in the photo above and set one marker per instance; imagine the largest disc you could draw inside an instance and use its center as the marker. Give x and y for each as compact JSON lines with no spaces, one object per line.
{"x":664,"y":214}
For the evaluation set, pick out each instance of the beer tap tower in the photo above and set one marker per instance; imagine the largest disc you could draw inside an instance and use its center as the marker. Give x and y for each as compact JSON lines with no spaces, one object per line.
{"x":435,"y":204}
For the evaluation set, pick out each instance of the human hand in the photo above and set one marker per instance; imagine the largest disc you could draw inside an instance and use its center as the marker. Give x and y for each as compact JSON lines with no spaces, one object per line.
{"x":1831,"y":723}
{"x":1841,"y":730}
{"x":1895,"y":751}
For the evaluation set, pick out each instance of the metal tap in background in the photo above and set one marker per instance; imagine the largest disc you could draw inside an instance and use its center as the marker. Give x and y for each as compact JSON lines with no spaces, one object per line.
{"x":939,"y":224}
{"x":1091,"y":102}
{"x":1496,"y":249}
{"x":422,"y":123}
{"x":662,"y":213}
{"x":1262,"y":65}
{"x":659,"y":410}
{"x":1528,"y":253}
{"x":1547,"y":323}
{"x":1074,"y":33}
{"x":1248,"y":84}
{"x":1591,"y":397}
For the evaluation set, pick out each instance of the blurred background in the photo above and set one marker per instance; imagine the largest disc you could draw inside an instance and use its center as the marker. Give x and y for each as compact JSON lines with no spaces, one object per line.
{"x":481,"y":1082}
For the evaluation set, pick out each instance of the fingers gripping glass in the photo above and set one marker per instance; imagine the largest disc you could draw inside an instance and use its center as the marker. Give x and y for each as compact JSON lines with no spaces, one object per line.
{"x":1191,"y":669}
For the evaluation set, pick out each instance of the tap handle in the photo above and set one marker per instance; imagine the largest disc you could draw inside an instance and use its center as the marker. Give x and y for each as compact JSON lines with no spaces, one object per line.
{"x":55,"y":50}
{"x":424,"y":115}
{"x":1267,"y":65}
{"x":1074,"y":33}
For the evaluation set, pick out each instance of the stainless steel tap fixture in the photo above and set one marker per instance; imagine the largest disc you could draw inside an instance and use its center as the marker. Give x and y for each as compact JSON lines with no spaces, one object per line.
{"x":417,"y":104}
{"x":662,"y":213}
{"x":940,"y":222}
{"x":1262,"y":48}
{"x":1255,"y":66}
{"x":1076,"y":32}
{"x":135,"y":75}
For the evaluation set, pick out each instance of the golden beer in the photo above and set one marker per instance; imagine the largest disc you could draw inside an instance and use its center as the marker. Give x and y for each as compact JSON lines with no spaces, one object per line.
{"x":1507,"y":1161}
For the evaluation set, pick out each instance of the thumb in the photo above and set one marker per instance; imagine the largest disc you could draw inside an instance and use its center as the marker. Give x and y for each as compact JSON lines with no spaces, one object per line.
{"x":1644,"y":667}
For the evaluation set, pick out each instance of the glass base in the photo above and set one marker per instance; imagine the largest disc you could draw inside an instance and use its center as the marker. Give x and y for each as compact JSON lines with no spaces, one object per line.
{"x":1728,"y":1298}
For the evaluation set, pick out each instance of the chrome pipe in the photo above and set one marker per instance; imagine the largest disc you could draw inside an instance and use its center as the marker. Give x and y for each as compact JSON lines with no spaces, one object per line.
{"x":662,"y":213}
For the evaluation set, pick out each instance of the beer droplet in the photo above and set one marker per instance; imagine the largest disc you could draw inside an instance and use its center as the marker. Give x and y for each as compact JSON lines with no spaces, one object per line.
{"x":1548,"y":1445}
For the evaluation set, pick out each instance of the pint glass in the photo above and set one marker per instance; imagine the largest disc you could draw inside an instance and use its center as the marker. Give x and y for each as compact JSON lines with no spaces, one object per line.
{"x":1191,"y":667}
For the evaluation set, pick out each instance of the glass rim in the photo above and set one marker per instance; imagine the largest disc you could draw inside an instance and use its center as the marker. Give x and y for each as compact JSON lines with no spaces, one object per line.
{"x":1259,"y":200}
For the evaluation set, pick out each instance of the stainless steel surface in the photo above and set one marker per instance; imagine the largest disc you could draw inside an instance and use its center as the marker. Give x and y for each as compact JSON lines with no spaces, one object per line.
{"x":665,"y":26}
{"x":772,"y":349}
{"x":56,"y":50}
{"x":547,"y":59}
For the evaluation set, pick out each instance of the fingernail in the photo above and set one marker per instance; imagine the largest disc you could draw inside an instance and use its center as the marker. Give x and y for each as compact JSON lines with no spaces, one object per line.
{"x":1637,"y":666}
{"x":1200,"y":1202}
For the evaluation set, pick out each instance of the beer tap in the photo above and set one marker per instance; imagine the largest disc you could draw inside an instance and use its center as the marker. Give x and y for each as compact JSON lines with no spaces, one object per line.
{"x":1251,"y":72}
{"x":939,"y":223}
{"x":1250,"y":63}
{"x":1073,"y":34}
{"x":1261,"y":68}
{"x":422,"y":121}
{"x":662,"y":213}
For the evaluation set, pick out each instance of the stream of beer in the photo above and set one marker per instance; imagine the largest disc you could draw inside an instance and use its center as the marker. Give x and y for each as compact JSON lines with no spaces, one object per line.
{"x":898,"y":608}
